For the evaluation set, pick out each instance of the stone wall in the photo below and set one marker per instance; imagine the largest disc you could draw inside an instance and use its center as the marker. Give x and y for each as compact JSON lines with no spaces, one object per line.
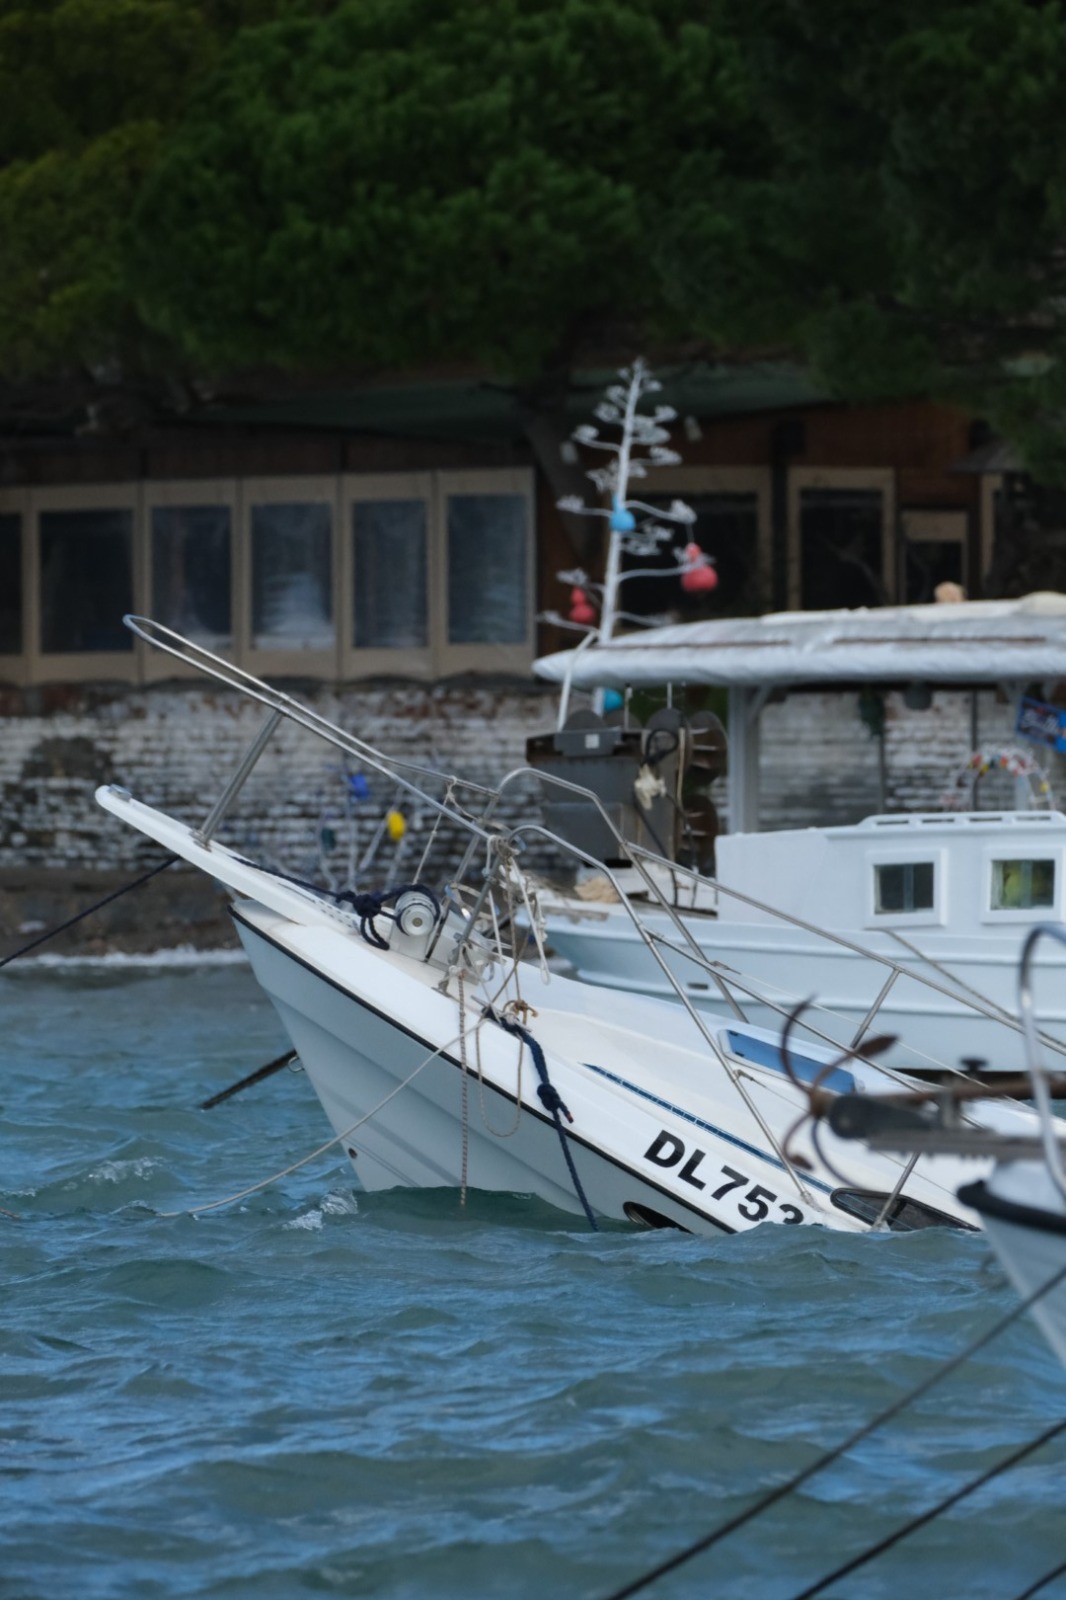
{"x":174,"y":745}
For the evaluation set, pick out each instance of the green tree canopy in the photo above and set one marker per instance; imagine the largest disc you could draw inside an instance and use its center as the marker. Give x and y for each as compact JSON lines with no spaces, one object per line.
{"x":403,"y":181}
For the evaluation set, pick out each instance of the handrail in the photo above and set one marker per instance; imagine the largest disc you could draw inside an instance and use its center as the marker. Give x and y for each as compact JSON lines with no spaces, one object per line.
{"x":1034,"y":1063}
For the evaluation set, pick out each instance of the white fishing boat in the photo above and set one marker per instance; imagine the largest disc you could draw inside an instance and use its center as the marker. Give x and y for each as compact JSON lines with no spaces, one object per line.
{"x":942,"y":900}
{"x":442,"y":1059}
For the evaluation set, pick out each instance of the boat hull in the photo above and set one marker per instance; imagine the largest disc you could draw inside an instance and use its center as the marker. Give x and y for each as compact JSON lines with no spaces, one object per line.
{"x":1025,"y":1219}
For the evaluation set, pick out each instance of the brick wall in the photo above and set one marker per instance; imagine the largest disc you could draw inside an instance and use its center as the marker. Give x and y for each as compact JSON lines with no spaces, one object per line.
{"x":174,"y":745}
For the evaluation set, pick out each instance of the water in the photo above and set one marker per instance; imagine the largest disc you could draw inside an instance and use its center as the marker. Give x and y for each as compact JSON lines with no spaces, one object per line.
{"x":317,"y":1393}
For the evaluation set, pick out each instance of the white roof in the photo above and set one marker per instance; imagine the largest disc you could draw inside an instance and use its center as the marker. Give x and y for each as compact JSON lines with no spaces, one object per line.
{"x":974,"y":641}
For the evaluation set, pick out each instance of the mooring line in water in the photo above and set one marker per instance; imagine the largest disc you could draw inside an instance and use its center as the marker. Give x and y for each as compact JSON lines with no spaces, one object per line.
{"x":229,"y":1199}
{"x":252,"y":1078}
{"x":707,"y":1541}
{"x":51,"y":933}
{"x":925,"y":1517}
{"x":1042,"y":1583}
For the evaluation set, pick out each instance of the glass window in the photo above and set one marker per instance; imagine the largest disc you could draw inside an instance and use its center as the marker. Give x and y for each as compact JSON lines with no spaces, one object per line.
{"x":1022,"y":885}
{"x":903,"y":886}
{"x":487,"y":601}
{"x":390,"y":575}
{"x":840,"y":548}
{"x":292,"y":600}
{"x":727,"y":528}
{"x":191,"y":571}
{"x":10,"y":583}
{"x":929,"y":562}
{"x":86,"y":580}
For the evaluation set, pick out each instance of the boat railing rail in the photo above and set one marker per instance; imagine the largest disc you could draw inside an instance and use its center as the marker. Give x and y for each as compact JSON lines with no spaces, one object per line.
{"x":490,"y":839}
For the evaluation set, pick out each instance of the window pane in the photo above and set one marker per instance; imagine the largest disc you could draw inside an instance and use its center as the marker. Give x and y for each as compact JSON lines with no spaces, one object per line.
{"x":840,"y":540}
{"x":1022,"y":885}
{"x":292,"y":602}
{"x":727,"y":528}
{"x":487,"y":569}
{"x":929,"y":562}
{"x":903,"y":886}
{"x":191,"y":571}
{"x":86,"y":584}
{"x":10,"y":583}
{"x":390,"y":574}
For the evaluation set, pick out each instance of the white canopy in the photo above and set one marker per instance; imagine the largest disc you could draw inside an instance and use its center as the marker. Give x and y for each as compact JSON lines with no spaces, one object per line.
{"x":973,"y":642}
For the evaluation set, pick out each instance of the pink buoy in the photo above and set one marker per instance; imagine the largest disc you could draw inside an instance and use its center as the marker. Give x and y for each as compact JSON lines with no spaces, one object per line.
{"x":700,"y":578}
{"x":581,"y":611}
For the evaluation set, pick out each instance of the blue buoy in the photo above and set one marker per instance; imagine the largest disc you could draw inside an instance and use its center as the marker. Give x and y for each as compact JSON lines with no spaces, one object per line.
{"x":612,"y":700}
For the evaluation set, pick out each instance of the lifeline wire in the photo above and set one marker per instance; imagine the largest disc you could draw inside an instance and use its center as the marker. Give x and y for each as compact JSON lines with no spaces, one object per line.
{"x":774,"y":1495}
{"x":934,"y":1511}
{"x":1042,"y":1583}
{"x":81,"y":915}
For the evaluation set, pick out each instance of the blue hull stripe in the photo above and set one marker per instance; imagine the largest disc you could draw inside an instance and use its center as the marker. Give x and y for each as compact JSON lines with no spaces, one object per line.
{"x":708,"y":1127}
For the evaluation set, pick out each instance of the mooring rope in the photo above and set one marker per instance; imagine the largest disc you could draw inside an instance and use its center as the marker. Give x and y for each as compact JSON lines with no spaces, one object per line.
{"x":772,"y":1496}
{"x":229,"y":1199}
{"x":1042,"y":1583}
{"x":935,"y":1511}
{"x":554,"y":1104}
{"x":98,"y":905}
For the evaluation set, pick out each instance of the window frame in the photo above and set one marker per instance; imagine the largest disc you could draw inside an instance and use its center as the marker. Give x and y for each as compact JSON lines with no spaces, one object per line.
{"x":936,"y":916}
{"x":314,"y":489}
{"x":96,"y":665}
{"x":188,"y":492}
{"x":15,"y":669}
{"x":513,"y":658}
{"x":947,"y":525}
{"x":379,"y":662}
{"x":1026,"y":914}
{"x":686,"y":481}
{"x":881,"y":479}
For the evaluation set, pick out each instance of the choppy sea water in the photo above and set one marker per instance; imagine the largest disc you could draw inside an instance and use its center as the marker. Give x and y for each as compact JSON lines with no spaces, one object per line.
{"x":321,"y":1393}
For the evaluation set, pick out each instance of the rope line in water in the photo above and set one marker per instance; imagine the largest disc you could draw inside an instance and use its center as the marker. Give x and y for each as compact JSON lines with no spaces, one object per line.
{"x":772,"y":1496}
{"x":229,"y":1199}
{"x":946,"y":1504}
{"x":80,"y":916}
{"x":1042,"y":1583}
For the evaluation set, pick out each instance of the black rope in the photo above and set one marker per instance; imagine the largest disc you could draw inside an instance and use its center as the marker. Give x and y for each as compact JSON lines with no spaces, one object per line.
{"x":246,"y":1083}
{"x":552,"y":1101}
{"x":934,"y":1511}
{"x":99,"y":904}
{"x":371,"y":904}
{"x":708,"y":1540}
{"x":1042,"y":1583}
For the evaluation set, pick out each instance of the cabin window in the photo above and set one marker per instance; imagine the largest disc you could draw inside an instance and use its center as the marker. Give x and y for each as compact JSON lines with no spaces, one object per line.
{"x":86,"y":580}
{"x":1019,"y":885}
{"x":292,"y":607}
{"x":841,"y":548}
{"x":10,"y":583}
{"x":390,"y":609}
{"x":191,"y":571}
{"x":487,"y":568}
{"x":903,"y":886}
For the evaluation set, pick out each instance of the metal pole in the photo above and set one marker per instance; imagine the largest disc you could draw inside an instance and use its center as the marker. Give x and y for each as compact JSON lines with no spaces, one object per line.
{"x":225,"y":800}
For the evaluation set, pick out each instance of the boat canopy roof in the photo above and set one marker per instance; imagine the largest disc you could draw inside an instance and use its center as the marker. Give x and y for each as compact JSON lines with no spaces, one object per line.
{"x":971,"y":642}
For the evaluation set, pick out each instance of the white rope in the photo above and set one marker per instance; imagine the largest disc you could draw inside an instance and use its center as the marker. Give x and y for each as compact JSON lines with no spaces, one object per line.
{"x":213,"y":1205}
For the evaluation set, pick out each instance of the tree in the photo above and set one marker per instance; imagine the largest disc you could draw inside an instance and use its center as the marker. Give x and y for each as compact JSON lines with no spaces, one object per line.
{"x":912,"y":236}
{"x":404,"y":181}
